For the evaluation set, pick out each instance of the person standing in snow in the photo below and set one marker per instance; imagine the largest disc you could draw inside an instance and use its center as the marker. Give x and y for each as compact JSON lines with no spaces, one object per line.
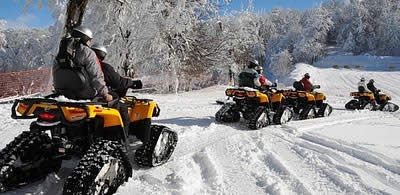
{"x":77,"y":73}
{"x":113,"y":80}
{"x":306,"y":83}
{"x":362,"y":86}
{"x":250,"y":77}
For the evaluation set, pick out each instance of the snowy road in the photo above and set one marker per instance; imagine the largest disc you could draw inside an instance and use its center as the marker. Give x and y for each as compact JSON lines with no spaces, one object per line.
{"x":350,"y":152}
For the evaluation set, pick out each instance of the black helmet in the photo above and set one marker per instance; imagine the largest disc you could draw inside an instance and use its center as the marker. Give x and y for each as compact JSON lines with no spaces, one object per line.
{"x":85,"y":34}
{"x":371,"y":81}
{"x":100,"y":50}
{"x":362,"y":79}
{"x":307,"y":75}
{"x":253,"y":64}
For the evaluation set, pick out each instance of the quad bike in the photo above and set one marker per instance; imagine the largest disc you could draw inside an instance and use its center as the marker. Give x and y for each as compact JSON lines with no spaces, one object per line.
{"x":307,"y":105}
{"x":259,"y":109}
{"x":367,"y":100}
{"x":91,"y":131}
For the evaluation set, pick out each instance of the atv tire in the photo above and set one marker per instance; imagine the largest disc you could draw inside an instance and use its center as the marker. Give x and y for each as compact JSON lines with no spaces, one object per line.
{"x":352,"y":105}
{"x":260,"y":119}
{"x":325,"y":110}
{"x":284,"y":115}
{"x":308,"y":112}
{"x":390,"y":107}
{"x":159,"y":149}
{"x":369,"y":106}
{"x":26,"y":159}
{"x":103,"y":168}
{"x":227,"y":114}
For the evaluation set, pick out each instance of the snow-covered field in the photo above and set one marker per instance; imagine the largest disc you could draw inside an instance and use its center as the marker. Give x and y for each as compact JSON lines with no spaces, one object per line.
{"x":349,"y":152}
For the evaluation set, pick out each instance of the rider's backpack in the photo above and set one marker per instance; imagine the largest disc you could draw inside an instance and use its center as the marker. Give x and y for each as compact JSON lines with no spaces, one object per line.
{"x":298,"y":86}
{"x":246,"y":79}
{"x":67,"y":52}
{"x":70,"y":78}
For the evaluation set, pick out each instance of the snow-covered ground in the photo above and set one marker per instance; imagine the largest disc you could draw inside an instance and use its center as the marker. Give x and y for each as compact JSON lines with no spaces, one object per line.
{"x":349,"y":152}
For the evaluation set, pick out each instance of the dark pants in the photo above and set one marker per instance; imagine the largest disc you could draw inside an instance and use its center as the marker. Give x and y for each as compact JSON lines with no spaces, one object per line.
{"x":123,"y":111}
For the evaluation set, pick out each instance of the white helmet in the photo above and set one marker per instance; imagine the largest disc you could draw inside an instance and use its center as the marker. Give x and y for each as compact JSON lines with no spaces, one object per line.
{"x":83,"y":33}
{"x":100,"y":50}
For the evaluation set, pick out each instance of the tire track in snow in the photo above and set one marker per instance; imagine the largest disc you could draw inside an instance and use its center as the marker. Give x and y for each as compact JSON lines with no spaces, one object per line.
{"x":314,"y":173}
{"x":339,"y":174}
{"x":268,"y":177}
{"x":325,"y":168}
{"x":364,"y":156}
{"x":276,"y":164}
{"x":298,"y":127}
{"x":356,"y":162}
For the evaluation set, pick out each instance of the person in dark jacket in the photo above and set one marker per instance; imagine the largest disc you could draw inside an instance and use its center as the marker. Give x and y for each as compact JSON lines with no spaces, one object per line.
{"x":306,"y":83}
{"x":117,"y":84}
{"x":85,"y":59}
{"x":113,"y":80}
{"x":373,"y":89}
{"x":250,"y":77}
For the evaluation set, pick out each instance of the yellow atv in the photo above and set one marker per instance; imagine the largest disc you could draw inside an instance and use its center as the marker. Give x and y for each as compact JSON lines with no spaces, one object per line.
{"x":307,"y":105}
{"x":367,"y":100}
{"x":92,"y":131}
{"x":258,"y":108}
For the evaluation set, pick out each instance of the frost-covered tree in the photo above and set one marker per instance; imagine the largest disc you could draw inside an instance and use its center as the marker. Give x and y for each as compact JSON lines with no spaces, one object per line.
{"x":168,"y":41}
{"x":22,"y":49}
{"x":184,"y":44}
{"x":282,"y":63}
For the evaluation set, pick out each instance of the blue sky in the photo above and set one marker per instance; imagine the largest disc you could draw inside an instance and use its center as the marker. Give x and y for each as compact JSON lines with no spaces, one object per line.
{"x":11,"y":10}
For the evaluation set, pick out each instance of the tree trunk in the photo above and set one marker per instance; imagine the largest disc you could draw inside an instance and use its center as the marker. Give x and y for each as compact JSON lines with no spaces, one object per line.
{"x":75,"y":11}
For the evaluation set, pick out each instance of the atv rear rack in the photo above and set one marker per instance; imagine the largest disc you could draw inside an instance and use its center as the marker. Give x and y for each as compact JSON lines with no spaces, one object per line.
{"x":31,"y":101}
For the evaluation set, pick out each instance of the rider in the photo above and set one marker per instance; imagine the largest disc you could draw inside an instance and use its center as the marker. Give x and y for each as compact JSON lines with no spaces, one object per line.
{"x":250,"y":77}
{"x":113,"y":80}
{"x":265,"y":83}
{"x":117,"y":84}
{"x":373,"y":89}
{"x":362,"y":86}
{"x":306,"y":83}
{"x":85,"y":60}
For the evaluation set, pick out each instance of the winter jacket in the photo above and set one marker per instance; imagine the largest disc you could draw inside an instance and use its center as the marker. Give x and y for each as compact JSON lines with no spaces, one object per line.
{"x":362,"y":86}
{"x":86,"y":59}
{"x":307,"y":84}
{"x":265,"y":81}
{"x":114,"y":81}
{"x":372,"y":87}
{"x":249,"y":78}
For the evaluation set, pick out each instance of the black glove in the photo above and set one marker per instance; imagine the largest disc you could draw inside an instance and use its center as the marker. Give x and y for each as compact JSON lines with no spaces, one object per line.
{"x":136,"y":84}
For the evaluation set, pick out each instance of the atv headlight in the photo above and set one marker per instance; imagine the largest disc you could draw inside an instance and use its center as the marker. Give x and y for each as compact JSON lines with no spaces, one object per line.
{"x":251,"y":94}
{"x":229,"y":92}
